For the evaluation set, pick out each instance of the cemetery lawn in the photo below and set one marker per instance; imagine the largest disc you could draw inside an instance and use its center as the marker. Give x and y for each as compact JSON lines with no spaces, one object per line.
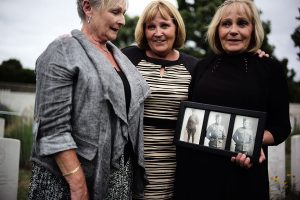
{"x":24,"y":177}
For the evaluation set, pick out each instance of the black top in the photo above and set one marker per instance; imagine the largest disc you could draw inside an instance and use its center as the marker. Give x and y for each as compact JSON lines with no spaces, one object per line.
{"x":126,"y":89}
{"x":128,"y":146}
{"x":242,"y":81}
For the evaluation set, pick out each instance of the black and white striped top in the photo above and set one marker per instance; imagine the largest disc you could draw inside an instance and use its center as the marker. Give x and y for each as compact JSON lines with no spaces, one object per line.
{"x":161,"y":112}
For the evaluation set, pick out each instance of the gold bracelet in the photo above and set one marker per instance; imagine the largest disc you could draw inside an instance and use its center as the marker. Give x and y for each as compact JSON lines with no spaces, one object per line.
{"x":72,"y":172}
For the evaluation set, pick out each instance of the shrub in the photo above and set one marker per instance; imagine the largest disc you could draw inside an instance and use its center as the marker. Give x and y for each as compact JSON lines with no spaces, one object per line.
{"x":21,"y":129}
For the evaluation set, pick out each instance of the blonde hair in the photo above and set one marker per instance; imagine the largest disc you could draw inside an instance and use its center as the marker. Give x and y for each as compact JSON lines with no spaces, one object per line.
{"x":166,"y":10}
{"x":246,"y":7}
{"x":98,"y":4}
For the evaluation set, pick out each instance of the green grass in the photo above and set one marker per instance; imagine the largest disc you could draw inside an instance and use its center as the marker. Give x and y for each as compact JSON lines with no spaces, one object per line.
{"x":21,"y":129}
{"x":24,"y":178}
{"x":290,"y":194}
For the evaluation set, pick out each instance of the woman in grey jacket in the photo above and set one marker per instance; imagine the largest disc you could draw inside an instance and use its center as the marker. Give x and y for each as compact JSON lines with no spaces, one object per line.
{"x":88,"y":130}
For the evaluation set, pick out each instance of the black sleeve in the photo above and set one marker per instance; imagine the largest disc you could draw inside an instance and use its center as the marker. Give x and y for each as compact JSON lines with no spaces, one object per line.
{"x":192,"y":83}
{"x":200,"y":67}
{"x":189,"y":62}
{"x":278,"y":120}
{"x":134,"y":54}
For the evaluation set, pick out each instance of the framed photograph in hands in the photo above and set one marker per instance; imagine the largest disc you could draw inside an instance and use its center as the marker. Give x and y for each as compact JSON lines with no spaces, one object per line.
{"x":220,"y":130}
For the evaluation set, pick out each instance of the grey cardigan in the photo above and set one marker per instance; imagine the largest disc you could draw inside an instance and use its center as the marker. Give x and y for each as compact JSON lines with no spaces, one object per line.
{"x":80,"y":104}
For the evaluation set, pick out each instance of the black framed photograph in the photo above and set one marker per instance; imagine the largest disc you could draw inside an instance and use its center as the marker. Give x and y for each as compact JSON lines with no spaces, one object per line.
{"x":220,"y":130}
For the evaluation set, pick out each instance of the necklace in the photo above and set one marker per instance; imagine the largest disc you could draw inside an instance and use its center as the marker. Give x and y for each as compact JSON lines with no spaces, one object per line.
{"x":104,"y":49}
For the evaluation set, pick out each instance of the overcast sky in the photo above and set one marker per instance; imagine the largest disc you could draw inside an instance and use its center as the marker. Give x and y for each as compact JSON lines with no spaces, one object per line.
{"x":27,"y":27}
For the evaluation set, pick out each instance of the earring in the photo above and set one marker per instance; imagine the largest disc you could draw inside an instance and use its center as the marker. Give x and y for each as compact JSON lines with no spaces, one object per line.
{"x":89,"y":19}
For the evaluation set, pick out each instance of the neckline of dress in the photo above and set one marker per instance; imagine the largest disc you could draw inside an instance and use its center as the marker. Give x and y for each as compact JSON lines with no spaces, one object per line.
{"x":164,"y":62}
{"x":232,"y":58}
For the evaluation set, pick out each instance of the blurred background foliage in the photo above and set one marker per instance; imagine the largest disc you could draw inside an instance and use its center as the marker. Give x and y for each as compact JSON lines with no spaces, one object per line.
{"x":197,"y":16}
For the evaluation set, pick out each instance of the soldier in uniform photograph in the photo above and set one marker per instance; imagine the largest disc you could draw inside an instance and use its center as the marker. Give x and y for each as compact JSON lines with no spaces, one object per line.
{"x":215,"y":133}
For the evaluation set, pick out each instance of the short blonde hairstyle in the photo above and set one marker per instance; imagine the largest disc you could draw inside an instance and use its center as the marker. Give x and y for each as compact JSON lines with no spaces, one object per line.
{"x":244,"y":7}
{"x":166,"y":10}
{"x":98,"y":4}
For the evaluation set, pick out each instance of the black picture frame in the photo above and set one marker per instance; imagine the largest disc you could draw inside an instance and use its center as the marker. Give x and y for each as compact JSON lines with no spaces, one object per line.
{"x":220,"y":130}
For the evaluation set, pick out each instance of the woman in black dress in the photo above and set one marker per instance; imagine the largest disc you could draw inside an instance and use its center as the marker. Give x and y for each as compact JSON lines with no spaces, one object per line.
{"x":234,"y":77}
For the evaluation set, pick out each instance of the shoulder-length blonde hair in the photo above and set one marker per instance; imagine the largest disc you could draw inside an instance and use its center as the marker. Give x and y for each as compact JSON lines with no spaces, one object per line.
{"x":166,"y":10}
{"x":245,"y":7}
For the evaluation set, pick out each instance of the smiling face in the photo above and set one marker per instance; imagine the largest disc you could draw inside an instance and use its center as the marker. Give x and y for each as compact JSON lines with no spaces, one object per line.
{"x":106,"y":23}
{"x":235,"y":30}
{"x":160,"y":34}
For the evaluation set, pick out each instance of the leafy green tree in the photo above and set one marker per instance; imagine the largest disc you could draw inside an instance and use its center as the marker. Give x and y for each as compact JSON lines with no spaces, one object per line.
{"x":12,"y":71}
{"x":197,"y":16}
{"x":126,"y":34}
{"x":296,"y":36}
{"x":294,"y":87}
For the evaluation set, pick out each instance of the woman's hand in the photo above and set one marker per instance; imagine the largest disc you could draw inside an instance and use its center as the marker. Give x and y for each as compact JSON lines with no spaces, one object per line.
{"x":78,"y":187}
{"x":244,"y":161}
{"x":268,"y":138}
{"x":73,"y":173}
{"x":261,"y":53}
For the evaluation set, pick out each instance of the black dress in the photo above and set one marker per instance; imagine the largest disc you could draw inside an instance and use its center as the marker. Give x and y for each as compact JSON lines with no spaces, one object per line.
{"x":239,"y":81}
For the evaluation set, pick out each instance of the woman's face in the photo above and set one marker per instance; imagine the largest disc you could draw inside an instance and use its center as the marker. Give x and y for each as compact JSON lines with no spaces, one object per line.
{"x":105,"y":24}
{"x":235,"y":32}
{"x":160,"y":34}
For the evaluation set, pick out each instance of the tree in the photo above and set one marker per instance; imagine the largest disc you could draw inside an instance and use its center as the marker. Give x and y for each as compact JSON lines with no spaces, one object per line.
{"x":294,"y":87}
{"x":197,"y":16}
{"x":296,"y":36}
{"x":12,"y":71}
{"x":126,"y":34}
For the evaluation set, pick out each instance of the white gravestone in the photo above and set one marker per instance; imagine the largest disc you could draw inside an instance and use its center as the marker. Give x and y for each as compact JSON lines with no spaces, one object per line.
{"x":2,"y":126}
{"x":295,"y":163}
{"x":276,"y":167}
{"x":9,"y":168}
